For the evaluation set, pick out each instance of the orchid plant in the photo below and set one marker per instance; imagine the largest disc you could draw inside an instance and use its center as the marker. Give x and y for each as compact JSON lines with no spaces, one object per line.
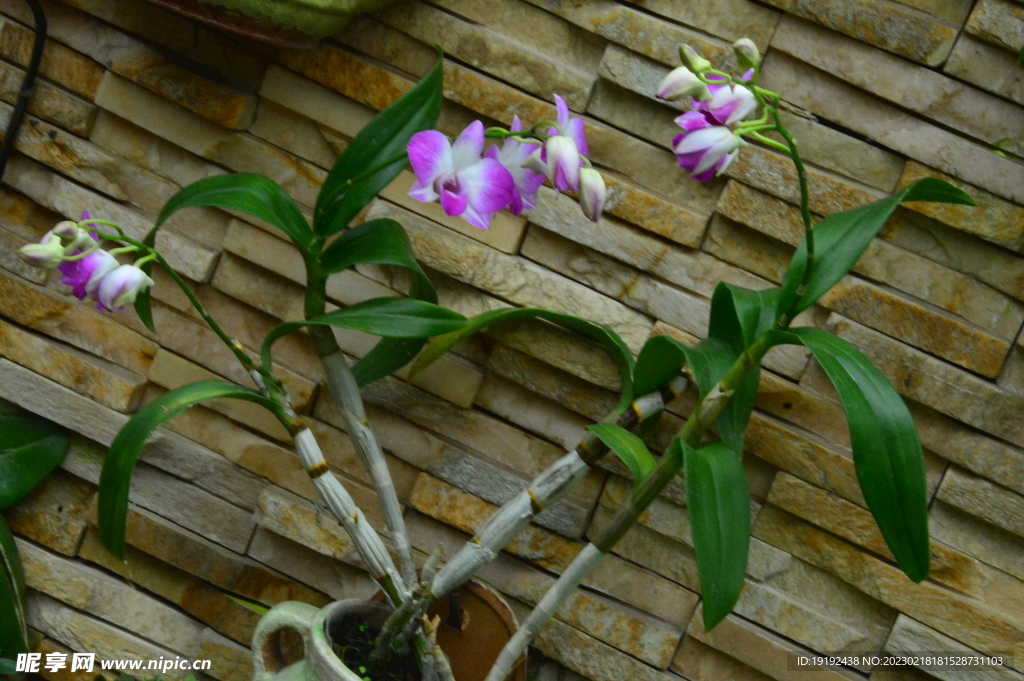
{"x":474,"y":180}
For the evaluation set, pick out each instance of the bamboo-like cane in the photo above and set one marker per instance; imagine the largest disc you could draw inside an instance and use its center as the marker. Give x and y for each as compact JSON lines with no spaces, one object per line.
{"x":345,"y":392}
{"x":547,"y":488}
{"x":366,"y":540}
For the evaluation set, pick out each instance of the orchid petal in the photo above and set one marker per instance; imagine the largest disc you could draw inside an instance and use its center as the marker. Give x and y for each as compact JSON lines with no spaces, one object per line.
{"x":468,"y":146}
{"x":430,"y":155}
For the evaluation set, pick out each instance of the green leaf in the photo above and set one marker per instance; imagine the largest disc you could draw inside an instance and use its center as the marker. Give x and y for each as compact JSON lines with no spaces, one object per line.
{"x":886,"y":450}
{"x":718,"y":503}
{"x":29,"y":449}
{"x":367,"y":165}
{"x":8,"y":667}
{"x":1020,"y":57}
{"x":660,"y":360}
{"x":389,"y":317}
{"x":247,"y":193}
{"x":127,"y":446}
{"x":257,"y":608}
{"x":381,"y":242}
{"x":628,"y":447}
{"x":840,"y":239}
{"x":738,"y":317}
{"x":13,"y":625}
{"x":608,"y":339}
{"x":143,"y":302}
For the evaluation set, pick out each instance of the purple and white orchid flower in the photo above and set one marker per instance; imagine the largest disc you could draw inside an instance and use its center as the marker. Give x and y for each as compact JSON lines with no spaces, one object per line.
{"x":704,"y":150}
{"x":513,"y":154}
{"x":120,"y":287}
{"x":456,"y":175}
{"x":729,"y":104}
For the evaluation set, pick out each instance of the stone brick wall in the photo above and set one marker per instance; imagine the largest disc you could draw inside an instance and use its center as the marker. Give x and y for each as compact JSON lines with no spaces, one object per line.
{"x":135,"y":103}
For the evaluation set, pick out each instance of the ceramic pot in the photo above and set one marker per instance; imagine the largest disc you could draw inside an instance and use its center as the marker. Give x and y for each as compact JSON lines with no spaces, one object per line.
{"x":475,"y":625}
{"x":292,"y":23}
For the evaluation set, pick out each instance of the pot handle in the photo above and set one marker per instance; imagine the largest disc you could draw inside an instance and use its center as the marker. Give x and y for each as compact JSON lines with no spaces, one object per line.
{"x":267,"y":659}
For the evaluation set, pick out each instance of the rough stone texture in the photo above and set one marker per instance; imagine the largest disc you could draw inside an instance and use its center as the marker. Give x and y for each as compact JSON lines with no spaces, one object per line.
{"x":135,"y":101}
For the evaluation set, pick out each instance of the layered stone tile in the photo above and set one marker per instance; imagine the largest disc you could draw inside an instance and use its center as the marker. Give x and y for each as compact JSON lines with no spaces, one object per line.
{"x":998,"y":505}
{"x":900,"y":30}
{"x":132,"y":59}
{"x":55,"y":514}
{"x":987,"y":66}
{"x":50,"y":103}
{"x":998,"y":22}
{"x":835,"y":100}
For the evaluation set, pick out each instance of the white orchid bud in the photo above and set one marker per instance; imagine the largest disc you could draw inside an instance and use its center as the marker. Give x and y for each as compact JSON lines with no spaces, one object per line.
{"x":592,"y":193}
{"x":747,"y":54}
{"x":66,"y":230}
{"x":120,"y":286}
{"x":682,"y":82}
{"x":563,"y":167}
{"x":694,"y":61}
{"x":46,"y":255}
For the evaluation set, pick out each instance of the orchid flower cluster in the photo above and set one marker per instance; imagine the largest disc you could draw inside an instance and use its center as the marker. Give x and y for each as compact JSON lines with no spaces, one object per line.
{"x":90,"y":271}
{"x":474,"y":183}
{"x":720,"y":103}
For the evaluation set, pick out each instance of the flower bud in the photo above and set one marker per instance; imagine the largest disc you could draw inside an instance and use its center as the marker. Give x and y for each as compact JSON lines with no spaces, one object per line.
{"x":697,"y":63}
{"x":563,"y":162}
{"x":119,"y":287}
{"x":747,"y":55}
{"x":682,"y":82}
{"x":66,"y":230}
{"x":592,"y":193}
{"x":46,"y":255}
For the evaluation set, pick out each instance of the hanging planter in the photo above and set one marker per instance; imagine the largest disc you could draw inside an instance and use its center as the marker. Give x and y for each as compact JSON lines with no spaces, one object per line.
{"x":292,"y":23}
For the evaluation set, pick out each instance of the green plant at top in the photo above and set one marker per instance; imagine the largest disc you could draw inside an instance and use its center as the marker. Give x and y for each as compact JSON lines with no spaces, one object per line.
{"x":473,"y":182}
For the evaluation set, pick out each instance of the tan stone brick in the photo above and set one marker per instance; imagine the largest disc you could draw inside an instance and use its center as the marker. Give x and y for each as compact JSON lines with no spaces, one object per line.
{"x":334,"y":578}
{"x":238,"y":151}
{"x":762,"y":649}
{"x":993,"y":219}
{"x":998,"y":22}
{"x":313,"y":100}
{"x":55,"y":513}
{"x":512,"y":278}
{"x":298,"y":520}
{"x":232,"y":62}
{"x":640,"y":31}
{"x":986,"y":66}
{"x":588,"y":656}
{"x":60,"y":64}
{"x":173,"y":498}
{"x":490,"y":51}
{"x":292,"y":132}
{"x":228,"y":660}
{"x":902,"y":31}
{"x":83,"y":633}
{"x":132,"y":59}
{"x":50,"y":103}
{"x":47,"y":645}
{"x":967,"y":533}
{"x":149,"y":151}
{"x":700,"y":662}
{"x":959,"y":616}
{"x":103,"y":381}
{"x":201,"y":557}
{"x":530,"y":411}
{"x":928,"y":93}
{"x":86,"y":588}
{"x":909,"y":636}
{"x":196,"y":597}
{"x":835,"y":100}
{"x":541,"y":378}
{"x":996,"y":504}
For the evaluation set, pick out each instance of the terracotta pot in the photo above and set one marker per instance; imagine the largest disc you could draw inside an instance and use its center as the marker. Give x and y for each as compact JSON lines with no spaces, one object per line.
{"x":292,"y":23}
{"x":475,"y":625}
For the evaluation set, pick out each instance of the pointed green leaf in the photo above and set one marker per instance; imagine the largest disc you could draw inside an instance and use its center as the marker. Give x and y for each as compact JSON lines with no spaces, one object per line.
{"x":247,"y":193}
{"x":660,"y":360}
{"x":389,"y":317}
{"x":377,"y":154}
{"x":13,"y":624}
{"x":29,"y":449}
{"x":840,"y":239}
{"x":608,"y":339}
{"x":738,"y":317}
{"x":886,"y":450}
{"x":127,"y":446}
{"x":628,"y":447}
{"x":718,"y":503}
